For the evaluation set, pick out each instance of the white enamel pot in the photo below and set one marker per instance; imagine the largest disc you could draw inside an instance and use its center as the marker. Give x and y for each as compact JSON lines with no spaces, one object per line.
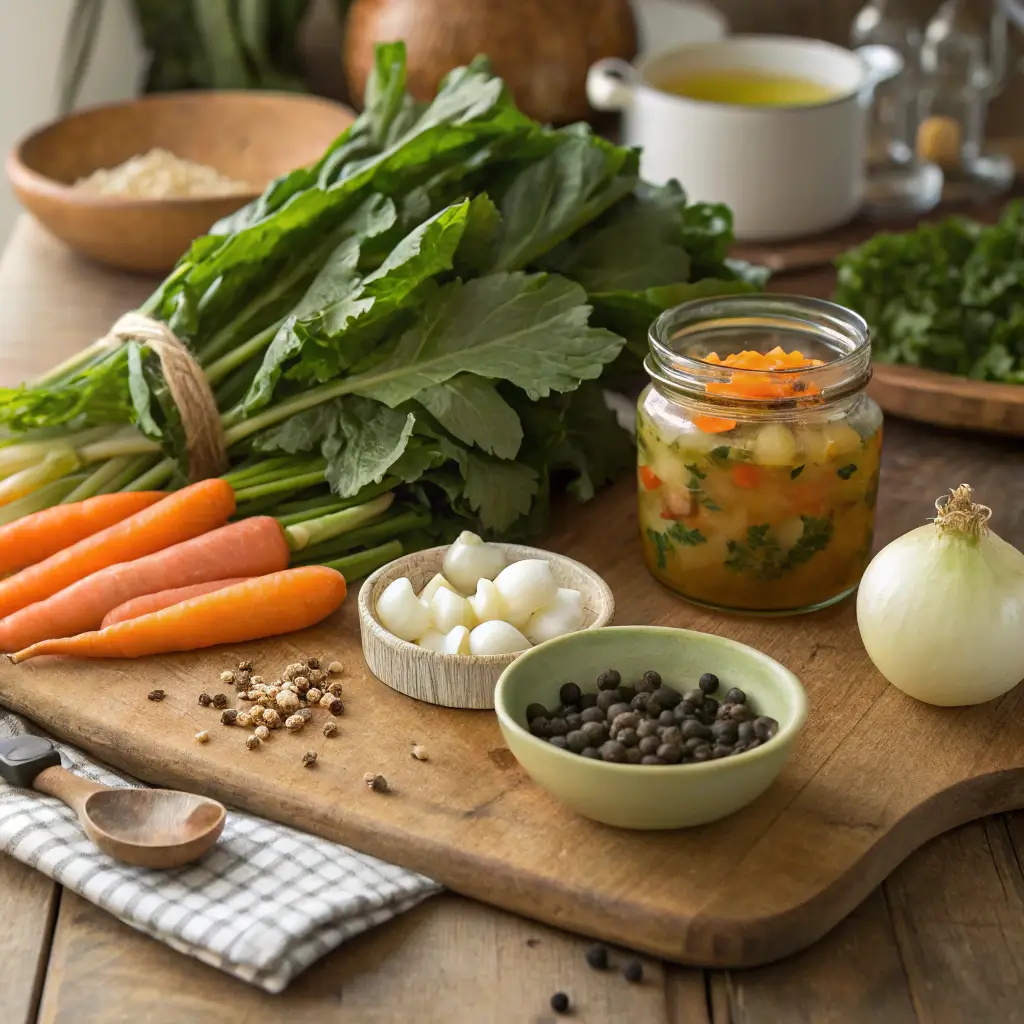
{"x":784,"y":172}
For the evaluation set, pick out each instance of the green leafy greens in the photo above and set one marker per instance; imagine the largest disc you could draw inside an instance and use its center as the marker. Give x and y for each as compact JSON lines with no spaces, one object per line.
{"x":418,"y":326}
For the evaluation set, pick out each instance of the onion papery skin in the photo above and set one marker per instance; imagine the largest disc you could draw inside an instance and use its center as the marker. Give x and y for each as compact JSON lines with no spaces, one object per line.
{"x":942,"y":616}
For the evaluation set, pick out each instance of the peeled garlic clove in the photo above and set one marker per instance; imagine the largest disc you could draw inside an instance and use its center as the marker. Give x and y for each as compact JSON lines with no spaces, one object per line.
{"x":487,"y":603}
{"x":428,"y":592}
{"x":469,"y":559}
{"x":401,"y":612}
{"x":432,"y":640}
{"x":448,"y":610}
{"x":563,"y":615}
{"x":526,"y":586}
{"x":457,"y":641}
{"x":497,"y":637}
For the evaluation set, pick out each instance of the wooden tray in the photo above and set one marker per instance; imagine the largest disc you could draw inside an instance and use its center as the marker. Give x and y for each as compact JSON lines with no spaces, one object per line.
{"x":874,"y":774}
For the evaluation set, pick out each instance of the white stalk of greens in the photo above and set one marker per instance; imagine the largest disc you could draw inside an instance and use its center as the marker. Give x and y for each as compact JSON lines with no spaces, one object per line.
{"x":941,"y":609}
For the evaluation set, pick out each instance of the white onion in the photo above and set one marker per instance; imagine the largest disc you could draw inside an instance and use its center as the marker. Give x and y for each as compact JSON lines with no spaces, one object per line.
{"x":401,"y":612}
{"x":457,"y":641}
{"x":526,"y":586}
{"x":448,"y":610}
{"x":487,"y":603}
{"x":469,"y":559}
{"x":941,"y":609}
{"x":563,"y":615}
{"x":497,"y":637}
{"x":432,"y":640}
{"x":436,"y":583}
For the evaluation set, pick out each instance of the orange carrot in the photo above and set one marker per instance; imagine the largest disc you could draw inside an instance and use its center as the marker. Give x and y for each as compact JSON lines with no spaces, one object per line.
{"x":186,"y":513}
{"x":251,"y":547}
{"x":268,"y":606}
{"x":34,"y":537}
{"x":138,"y":606}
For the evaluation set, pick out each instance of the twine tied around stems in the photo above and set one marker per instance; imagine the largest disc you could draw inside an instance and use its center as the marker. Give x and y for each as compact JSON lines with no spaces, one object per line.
{"x":188,"y":387}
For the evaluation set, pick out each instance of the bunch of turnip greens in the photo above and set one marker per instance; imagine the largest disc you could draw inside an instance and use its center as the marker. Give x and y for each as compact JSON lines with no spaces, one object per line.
{"x":403,"y":339}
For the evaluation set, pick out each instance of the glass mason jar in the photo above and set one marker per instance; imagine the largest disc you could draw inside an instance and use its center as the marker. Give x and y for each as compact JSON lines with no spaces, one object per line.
{"x":757,"y":486}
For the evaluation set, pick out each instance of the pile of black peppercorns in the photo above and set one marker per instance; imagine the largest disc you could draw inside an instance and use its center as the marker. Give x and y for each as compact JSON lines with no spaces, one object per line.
{"x":651,"y":723}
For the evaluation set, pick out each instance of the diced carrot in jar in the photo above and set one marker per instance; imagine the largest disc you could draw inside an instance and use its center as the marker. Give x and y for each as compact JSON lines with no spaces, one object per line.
{"x":713,"y":424}
{"x":649,"y":480}
{"x":747,"y":475}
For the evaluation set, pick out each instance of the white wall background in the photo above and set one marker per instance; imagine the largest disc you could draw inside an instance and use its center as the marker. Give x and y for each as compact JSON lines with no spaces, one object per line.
{"x":31,"y":37}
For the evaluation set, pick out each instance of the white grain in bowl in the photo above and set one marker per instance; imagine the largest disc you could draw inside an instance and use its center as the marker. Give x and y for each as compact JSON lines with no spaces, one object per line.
{"x":459,"y":680}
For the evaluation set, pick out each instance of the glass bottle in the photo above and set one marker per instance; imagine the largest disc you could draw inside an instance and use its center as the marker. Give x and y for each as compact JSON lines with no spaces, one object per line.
{"x":757,"y":487}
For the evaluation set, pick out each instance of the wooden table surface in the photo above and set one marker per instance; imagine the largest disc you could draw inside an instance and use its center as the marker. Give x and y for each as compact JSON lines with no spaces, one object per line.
{"x":941,"y":941}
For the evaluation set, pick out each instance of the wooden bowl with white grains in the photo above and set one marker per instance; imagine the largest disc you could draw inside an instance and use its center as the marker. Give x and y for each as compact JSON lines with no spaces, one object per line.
{"x":457,"y":680}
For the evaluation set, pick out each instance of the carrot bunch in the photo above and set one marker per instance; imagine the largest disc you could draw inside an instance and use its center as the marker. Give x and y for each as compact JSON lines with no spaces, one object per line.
{"x":124,"y":575}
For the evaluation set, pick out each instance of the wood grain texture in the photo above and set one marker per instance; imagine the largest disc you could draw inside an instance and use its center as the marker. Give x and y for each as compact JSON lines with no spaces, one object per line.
{"x":862,"y":789}
{"x":28,"y":903}
{"x":448,"y":961}
{"x":462,"y":682}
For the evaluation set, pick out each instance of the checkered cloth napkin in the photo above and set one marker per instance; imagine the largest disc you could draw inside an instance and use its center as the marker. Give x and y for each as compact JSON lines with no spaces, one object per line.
{"x":263,"y":905}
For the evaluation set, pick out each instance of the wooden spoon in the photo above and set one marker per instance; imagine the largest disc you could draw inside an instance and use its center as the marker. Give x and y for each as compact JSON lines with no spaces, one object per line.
{"x":150,"y":828}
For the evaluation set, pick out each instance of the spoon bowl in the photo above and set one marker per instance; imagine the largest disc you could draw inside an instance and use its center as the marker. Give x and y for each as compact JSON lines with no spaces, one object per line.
{"x":152,"y":828}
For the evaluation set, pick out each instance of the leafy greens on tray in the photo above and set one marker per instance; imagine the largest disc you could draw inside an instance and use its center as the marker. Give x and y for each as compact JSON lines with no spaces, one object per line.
{"x":946,"y":296}
{"x":431,"y":311}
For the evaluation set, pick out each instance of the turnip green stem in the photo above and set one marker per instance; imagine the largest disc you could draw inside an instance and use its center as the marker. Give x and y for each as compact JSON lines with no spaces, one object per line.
{"x":45,"y":497}
{"x":291,"y":483}
{"x":387,"y":529}
{"x":57,"y":463}
{"x":316,"y":531}
{"x":362,"y":563}
{"x":99,"y":478}
{"x":126,"y":442}
{"x":222,"y":367}
{"x":150,"y":479}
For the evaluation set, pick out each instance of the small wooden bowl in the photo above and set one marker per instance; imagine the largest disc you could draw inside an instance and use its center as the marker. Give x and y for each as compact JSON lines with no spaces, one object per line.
{"x":247,"y":136}
{"x":459,"y":680}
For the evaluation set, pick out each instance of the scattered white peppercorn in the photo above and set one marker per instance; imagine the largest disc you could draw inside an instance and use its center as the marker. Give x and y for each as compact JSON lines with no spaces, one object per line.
{"x":261,"y":732}
{"x":313,"y":695}
{"x":244,"y":719}
{"x":420,"y":753}
{"x":265,"y":701}
{"x":376,"y":782}
{"x":335,"y":688}
{"x":329,"y":729}
{"x":309,"y":759}
{"x":202,"y":736}
{"x":273,"y":691}
{"x":294,"y":722}
{"x":252,"y":742}
{"x":305,"y":714}
{"x":301,"y":684}
{"x":326,"y":700}
{"x":287,"y":701}
{"x":245,"y":666}
{"x":251,"y":695}
{"x":293,"y":670}
{"x":317,"y":676}
{"x":271,"y":719}
{"x":335,"y":668}
{"x":256,"y":680}
{"x":227,"y":676}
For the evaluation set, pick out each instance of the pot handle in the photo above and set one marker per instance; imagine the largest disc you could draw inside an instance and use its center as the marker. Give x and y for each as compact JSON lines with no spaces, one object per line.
{"x":880,"y":63}
{"x":610,"y":83}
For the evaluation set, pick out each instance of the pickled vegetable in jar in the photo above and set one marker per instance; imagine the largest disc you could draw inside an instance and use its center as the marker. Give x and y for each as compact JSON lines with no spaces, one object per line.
{"x":758,"y":453}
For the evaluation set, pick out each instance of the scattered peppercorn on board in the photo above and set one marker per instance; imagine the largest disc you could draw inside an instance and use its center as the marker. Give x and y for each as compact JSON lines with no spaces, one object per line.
{"x":873,"y":776}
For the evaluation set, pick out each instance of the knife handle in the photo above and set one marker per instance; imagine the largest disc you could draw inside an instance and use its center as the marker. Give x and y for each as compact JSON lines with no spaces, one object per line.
{"x":22,"y":758}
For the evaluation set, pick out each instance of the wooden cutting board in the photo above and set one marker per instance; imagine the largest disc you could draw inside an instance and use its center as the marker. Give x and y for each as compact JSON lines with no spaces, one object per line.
{"x":873,"y":776}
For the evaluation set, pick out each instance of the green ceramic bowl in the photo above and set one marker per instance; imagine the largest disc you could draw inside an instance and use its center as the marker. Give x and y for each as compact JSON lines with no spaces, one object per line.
{"x":645,"y":796}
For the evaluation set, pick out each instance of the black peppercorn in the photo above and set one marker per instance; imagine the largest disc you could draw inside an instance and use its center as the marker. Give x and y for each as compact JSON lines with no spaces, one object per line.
{"x":708,"y":682}
{"x":695,"y":697}
{"x":725,"y":731}
{"x":220,"y":701}
{"x":702,"y":753}
{"x":615,"y":710}
{"x":592,"y":715}
{"x":634,"y":972}
{"x":670,"y":753}
{"x":648,"y":727}
{"x":205,"y":700}
{"x":740,"y":713}
{"x":648,"y":745}
{"x":639,"y":702}
{"x":558,"y":741}
{"x":667,"y":718}
{"x":606,"y":698}
{"x":654,"y":706}
{"x":228,"y":716}
{"x":591,"y":752}
{"x":596,"y":732}
{"x":710,"y":707}
{"x":651,"y":759}
{"x":667,"y":697}
{"x":535,"y":710}
{"x":736,"y":696}
{"x":557,"y":727}
{"x":718,"y":751}
{"x":613,"y":751}
{"x":765,"y":728}
{"x":576,"y":740}
{"x":569,"y":693}
{"x":560,"y":1002}
{"x":633,"y":755}
{"x":539,"y":727}
{"x":671,"y":734}
{"x":156,"y":695}
{"x":608,"y":680}
{"x":597,"y":957}
{"x":627,"y":737}
{"x":588,"y":700}
{"x":651,"y":679}
{"x":573,"y":722}
{"x":627,"y":693}
{"x":691,"y":727}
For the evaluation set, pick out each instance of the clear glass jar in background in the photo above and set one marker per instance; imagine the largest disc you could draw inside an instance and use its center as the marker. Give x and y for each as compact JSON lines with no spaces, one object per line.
{"x":757,"y":488}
